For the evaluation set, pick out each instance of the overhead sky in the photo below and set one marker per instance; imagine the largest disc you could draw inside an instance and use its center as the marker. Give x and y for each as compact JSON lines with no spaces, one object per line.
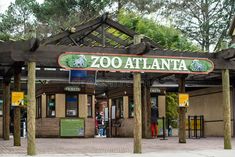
{"x":5,"y":3}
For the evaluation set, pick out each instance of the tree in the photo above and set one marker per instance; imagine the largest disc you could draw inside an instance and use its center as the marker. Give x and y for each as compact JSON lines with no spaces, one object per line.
{"x":168,"y":37}
{"x":18,"y":20}
{"x":171,"y":108}
{"x":56,"y":15}
{"x":143,"y":6}
{"x":204,"y":21}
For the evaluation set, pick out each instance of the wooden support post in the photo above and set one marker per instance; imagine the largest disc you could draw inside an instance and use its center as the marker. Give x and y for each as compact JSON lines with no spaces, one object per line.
{"x":227,"y":110}
{"x":17,"y":117}
{"x":31,"y":148}
{"x":137,"y":107}
{"x":233,"y":100}
{"x":146,"y":111}
{"x":6,"y":111}
{"x":182,"y":112}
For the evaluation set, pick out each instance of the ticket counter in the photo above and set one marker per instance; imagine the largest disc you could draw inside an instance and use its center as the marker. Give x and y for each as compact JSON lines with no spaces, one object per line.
{"x":57,"y":102}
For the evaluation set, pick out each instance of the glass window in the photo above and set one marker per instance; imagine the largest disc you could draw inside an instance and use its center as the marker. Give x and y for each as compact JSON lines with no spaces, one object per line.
{"x":131,"y":106}
{"x":38,"y":107}
{"x":89,"y":106}
{"x":118,"y":102}
{"x":71,"y":105}
{"x":51,"y":105}
{"x":1,"y":107}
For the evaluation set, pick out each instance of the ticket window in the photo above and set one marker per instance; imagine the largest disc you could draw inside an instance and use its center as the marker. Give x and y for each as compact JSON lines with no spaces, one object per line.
{"x":51,"y":105}
{"x":71,"y":105}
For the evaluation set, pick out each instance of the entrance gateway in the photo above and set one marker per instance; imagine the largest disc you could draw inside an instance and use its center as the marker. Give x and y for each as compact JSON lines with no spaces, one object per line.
{"x":46,"y":53}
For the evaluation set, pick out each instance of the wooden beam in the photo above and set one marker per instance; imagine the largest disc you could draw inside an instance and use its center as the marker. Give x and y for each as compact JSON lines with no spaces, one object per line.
{"x":232,"y":27}
{"x":182,"y":111}
{"x":10,"y":72}
{"x":227,"y":54}
{"x":233,"y":101}
{"x":8,"y":49}
{"x":17,"y":115}
{"x":48,"y":55}
{"x":80,"y":28}
{"x":227,"y":109}
{"x":98,"y":40}
{"x":137,"y":114}
{"x":120,"y":27}
{"x":114,"y":38}
{"x":146,"y":111}
{"x":31,"y":144}
{"x":6,"y":111}
{"x":137,"y":106}
{"x":139,"y":49}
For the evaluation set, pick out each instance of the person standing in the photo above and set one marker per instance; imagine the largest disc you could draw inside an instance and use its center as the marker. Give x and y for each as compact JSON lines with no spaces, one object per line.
{"x":154,"y":118}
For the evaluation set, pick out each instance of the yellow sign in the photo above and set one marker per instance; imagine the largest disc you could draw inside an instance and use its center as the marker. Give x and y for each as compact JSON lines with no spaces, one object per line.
{"x":17,"y":98}
{"x":183,"y":100}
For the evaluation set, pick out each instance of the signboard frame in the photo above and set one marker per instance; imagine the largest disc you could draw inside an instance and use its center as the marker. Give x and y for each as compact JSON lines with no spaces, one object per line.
{"x":149,"y":63}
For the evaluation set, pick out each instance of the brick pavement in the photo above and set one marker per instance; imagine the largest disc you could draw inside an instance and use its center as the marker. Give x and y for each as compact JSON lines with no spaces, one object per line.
{"x":111,"y":145}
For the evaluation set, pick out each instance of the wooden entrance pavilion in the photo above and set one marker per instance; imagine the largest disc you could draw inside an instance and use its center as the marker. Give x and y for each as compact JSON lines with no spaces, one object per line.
{"x":103,"y":35}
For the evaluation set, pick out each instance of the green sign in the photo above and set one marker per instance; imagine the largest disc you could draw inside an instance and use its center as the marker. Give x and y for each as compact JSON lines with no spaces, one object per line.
{"x":134,"y":63}
{"x":72,"y":127}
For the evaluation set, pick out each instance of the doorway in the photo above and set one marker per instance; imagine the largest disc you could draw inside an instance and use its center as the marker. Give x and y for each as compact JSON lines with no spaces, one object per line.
{"x":101,"y":117}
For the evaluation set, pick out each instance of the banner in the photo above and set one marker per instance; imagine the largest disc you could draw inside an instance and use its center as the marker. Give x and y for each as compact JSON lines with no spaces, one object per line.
{"x":134,"y":63}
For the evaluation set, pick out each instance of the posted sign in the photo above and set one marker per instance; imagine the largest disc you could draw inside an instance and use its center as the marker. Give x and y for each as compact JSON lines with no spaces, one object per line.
{"x":134,"y":63}
{"x":17,"y":98}
{"x":183,"y":100}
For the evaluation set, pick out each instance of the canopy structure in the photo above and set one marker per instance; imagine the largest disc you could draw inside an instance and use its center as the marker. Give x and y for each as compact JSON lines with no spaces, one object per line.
{"x":103,"y":35}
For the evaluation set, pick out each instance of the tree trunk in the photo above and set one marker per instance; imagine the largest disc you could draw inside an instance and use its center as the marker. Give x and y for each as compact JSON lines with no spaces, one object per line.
{"x":17,"y":117}
{"x":137,"y":113}
{"x":146,"y":112}
{"x":182,"y":111}
{"x":137,"y":107}
{"x":227,"y":111}
{"x":31,"y":148}
{"x":6,"y":111}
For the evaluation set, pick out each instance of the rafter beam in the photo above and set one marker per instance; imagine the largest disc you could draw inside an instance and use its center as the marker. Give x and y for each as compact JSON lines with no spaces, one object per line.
{"x":80,"y":28}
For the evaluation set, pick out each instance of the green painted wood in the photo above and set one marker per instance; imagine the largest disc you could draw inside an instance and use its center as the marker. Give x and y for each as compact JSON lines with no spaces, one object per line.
{"x":72,"y":127}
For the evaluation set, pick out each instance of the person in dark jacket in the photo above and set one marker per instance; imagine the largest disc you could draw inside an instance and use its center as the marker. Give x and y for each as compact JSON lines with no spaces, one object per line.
{"x":154,"y":118}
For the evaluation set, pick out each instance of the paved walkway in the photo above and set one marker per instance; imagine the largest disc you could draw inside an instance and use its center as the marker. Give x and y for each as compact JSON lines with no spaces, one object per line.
{"x":205,"y":147}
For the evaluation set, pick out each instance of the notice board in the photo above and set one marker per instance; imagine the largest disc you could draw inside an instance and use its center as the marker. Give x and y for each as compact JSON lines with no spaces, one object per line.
{"x":73,"y":127}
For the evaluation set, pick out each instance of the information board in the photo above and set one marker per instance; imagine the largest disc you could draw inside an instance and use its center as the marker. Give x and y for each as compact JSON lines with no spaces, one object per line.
{"x":72,"y":127}
{"x":17,"y":98}
{"x":183,"y":100}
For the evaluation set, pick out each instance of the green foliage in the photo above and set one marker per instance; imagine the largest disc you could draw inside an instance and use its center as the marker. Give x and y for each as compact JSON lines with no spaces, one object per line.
{"x":18,"y":20}
{"x":4,"y":36}
{"x":171,"y":108}
{"x":143,"y":6}
{"x":204,"y":21}
{"x":168,"y":37}
{"x":64,"y":14}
